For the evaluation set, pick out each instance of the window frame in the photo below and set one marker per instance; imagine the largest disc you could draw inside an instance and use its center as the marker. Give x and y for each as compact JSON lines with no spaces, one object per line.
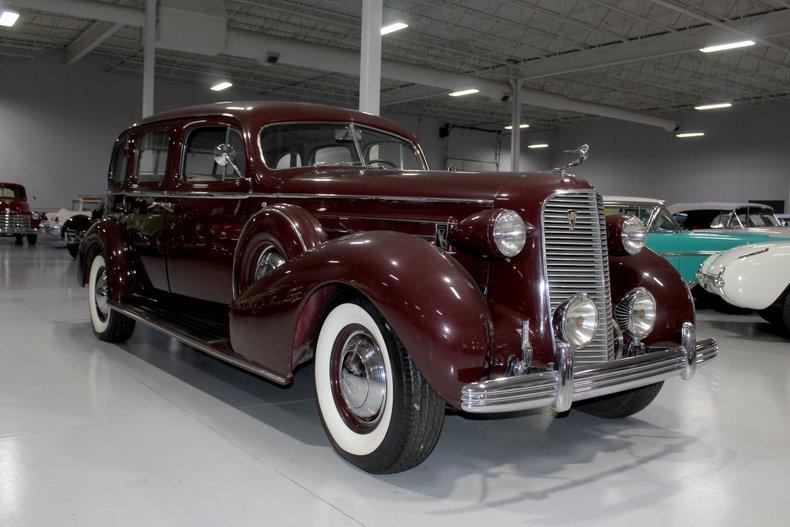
{"x":123,"y":146}
{"x":138,"y":142}
{"x":189,"y":131}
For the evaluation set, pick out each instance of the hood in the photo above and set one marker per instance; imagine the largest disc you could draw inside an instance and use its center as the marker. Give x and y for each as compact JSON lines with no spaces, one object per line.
{"x":716,"y":263}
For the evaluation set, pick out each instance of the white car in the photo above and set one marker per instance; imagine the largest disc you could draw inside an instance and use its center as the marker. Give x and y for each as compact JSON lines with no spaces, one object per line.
{"x":753,"y":276}
{"x":727,"y":216}
{"x":80,"y":206}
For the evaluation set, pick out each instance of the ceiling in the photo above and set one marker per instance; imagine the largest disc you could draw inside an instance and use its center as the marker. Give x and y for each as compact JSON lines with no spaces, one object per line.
{"x":559,"y":46}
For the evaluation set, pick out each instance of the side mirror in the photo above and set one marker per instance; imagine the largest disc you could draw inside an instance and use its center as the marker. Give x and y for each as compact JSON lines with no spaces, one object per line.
{"x":224,"y":155}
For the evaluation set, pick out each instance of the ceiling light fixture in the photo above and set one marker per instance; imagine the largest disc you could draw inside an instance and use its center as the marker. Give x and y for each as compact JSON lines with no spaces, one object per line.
{"x":461,"y":93}
{"x":536,"y":146}
{"x":224,"y":85}
{"x":8,"y":17}
{"x":522,"y":126}
{"x":730,"y":45}
{"x":714,"y":106}
{"x":685,"y":135}
{"x":391,"y":28}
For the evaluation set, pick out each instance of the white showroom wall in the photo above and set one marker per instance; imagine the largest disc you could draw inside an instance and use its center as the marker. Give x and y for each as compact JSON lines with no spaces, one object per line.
{"x":744,"y":155}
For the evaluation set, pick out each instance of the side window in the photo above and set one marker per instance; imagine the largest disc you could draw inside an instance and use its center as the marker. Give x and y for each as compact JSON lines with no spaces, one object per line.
{"x":120,"y":162}
{"x":152,"y":157}
{"x":199,"y":164}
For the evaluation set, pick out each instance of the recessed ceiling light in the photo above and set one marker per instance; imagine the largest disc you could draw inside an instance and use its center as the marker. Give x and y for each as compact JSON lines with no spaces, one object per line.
{"x":8,"y":18}
{"x":729,"y":45}
{"x":536,"y":146}
{"x":391,"y":28}
{"x":685,"y":135}
{"x":714,"y":106}
{"x":522,"y":125}
{"x":461,"y":93}
{"x":224,"y":85}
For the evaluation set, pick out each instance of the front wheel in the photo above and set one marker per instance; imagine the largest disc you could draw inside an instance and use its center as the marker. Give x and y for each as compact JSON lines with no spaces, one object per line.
{"x":32,"y":239}
{"x":108,"y":324}
{"x":623,"y":404}
{"x":377,"y":409}
{"x":779,"y":314}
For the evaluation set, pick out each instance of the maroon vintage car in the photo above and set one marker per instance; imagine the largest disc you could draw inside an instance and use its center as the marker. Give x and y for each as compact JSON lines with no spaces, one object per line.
{"x":16,"y":219}
{"x":271,"y":235}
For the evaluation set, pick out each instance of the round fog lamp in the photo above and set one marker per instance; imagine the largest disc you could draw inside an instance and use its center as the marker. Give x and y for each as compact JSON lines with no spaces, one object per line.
{"x":633,"y":234}
{"x":577,"y":321}
{"x":636,"y":313}
{"x":510,"y":233}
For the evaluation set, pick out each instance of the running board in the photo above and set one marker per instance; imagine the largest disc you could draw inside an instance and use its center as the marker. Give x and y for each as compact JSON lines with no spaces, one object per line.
{"x":217,"y":349}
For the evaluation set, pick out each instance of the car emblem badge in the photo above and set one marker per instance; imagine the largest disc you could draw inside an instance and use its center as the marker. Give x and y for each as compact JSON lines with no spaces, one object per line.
{"x":572,"y":219}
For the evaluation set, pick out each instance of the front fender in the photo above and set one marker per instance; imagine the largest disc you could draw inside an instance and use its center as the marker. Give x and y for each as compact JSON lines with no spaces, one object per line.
{"x":673,"y":298}
{"x":108,"y":236}
{"x":430,"y":301}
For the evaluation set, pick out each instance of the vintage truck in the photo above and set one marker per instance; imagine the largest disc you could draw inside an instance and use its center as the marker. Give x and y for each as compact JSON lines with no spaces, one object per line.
{"x":276,"y":235}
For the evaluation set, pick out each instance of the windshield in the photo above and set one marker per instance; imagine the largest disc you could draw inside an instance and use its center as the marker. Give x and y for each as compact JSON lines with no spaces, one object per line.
{"x":320,"y":144}
{"x":11,"y":192}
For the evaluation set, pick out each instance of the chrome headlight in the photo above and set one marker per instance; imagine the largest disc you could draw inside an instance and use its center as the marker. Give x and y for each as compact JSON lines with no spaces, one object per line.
{"x":576,"y":321}
{"x":633,"y":234}
{"x":636,"y":313}
{"x":509,"y":233}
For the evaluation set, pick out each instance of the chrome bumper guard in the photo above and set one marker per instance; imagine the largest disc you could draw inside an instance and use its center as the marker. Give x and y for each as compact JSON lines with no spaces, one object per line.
{"x":558,"y":388}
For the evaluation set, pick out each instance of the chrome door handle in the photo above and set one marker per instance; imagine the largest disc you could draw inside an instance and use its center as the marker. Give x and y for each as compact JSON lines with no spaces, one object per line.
{"x":164,"y":205}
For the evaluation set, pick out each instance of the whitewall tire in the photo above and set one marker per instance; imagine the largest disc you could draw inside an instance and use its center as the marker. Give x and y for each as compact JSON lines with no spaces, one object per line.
{"x":377,"y":409}
{"x":108,"y":324}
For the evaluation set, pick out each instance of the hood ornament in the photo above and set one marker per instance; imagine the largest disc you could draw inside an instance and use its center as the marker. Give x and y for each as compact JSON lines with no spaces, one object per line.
{"x":583,"y":152}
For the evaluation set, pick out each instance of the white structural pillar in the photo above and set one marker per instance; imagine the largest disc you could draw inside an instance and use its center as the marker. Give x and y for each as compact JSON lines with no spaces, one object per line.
{"x":515,"y":133}
{"x":149,"y":57}
{"x":370,"y":57}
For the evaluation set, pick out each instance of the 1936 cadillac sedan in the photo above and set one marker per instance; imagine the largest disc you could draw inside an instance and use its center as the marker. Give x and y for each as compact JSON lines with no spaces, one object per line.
{"x":272,"y":235}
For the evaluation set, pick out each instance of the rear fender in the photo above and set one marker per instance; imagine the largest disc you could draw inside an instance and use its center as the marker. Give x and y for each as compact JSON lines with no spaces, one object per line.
{"x":108,"y":236}
{"x":429,"y":300}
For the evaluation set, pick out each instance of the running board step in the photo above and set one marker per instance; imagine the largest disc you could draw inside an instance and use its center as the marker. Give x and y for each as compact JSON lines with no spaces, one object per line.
{"x":213,"y":345}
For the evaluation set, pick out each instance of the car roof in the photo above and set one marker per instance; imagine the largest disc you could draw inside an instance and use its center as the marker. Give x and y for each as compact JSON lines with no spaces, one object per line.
{"x":632,"y":199}
{"x":713,"y":205}
{"x":260,"y":113}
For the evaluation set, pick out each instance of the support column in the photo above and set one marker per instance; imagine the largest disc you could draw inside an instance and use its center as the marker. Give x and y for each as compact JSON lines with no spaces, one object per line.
{"x":370,"y":57}
{"x":515,"y":114}
{"x":149,"y":57}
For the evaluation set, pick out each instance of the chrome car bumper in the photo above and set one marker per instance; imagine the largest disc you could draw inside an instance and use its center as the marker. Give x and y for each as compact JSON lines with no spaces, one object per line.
{"x":711,"y":282}
{"x":558,"y":388}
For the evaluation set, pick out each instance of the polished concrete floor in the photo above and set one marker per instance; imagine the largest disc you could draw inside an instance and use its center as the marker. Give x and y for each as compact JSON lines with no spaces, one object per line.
{"x":154,"y":433}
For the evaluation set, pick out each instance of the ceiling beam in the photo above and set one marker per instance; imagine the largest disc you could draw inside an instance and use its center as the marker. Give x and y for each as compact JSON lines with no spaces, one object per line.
{"x":97,"y":33}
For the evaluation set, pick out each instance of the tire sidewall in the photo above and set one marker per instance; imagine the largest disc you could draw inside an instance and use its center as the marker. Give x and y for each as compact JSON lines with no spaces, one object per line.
{"x":99,"y":325}
{"x":370,"y":449}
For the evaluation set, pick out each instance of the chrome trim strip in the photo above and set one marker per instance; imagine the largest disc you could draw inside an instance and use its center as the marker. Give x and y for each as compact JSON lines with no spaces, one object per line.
{"x":228,"y":195}
{"x":550,"y":388}
{"x":690,"y":253}
{"x":141,"y":316}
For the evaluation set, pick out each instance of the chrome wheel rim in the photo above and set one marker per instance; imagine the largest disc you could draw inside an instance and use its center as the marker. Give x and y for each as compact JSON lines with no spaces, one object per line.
{"x":362,"y":377}
{"x":100,"y":297}
{"x":269,"y":260}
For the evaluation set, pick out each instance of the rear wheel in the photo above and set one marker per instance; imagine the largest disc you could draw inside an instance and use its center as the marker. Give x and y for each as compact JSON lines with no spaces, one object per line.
{"x":32,"y":239}
{"x":377,"y":409}
{"x":623,"y":404}
{"x":18,"y":239}
{"x":108,"y":324}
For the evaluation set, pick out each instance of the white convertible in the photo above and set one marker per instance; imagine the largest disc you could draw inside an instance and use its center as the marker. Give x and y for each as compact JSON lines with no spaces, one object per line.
{"x":753,"y":276}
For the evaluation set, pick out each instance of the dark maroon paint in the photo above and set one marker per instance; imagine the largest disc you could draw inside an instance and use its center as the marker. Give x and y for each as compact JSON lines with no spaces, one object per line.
{"x":457,"y":311}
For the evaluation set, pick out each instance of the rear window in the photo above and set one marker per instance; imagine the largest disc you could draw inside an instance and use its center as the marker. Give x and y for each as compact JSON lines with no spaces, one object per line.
{"x":12,"y":192}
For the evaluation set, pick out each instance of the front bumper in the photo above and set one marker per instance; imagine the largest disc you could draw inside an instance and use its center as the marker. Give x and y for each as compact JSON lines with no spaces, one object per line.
{"x":560,"y":387}
{"x":713,"y":283}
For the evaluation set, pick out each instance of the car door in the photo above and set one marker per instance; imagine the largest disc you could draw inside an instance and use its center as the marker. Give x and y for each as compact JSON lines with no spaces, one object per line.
{"x":211,"y":209}
{"x":145,"y":203}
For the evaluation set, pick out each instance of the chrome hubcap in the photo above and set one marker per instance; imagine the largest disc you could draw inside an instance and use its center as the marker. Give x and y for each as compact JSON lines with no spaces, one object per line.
{"x":100,"y":294}
{"x":363,"y":377}
{"x":269,"y":260}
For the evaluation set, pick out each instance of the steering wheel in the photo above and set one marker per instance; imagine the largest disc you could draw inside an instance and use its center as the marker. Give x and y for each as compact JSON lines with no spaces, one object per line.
{"x":383,"y":162}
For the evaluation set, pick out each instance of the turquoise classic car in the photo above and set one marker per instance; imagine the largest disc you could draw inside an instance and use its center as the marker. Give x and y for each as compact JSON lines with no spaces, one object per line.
{"x":685,"y":250}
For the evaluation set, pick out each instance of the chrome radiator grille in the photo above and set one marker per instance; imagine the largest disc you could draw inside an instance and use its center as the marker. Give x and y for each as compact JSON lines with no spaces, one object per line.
{"x":12,"y":223}
{"x":576,"y":261}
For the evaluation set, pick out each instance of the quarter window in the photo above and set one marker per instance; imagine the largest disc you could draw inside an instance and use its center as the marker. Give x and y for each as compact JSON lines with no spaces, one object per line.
{"x":152,"y":157}
{"x":120,"y":162}
{"x":199,"y":163}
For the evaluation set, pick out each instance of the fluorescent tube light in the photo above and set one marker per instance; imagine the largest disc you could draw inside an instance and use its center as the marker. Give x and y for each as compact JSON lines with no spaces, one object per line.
{"x":730,"y":45}
{"x":522,"y":126}
{"x":461,"y":93}
{"x":685,"y":135}
{"x":714,"y":106}
{"x":224,"y":85}
{"x":535,"y":146}
{"x":391,"y":28}
{"x":8,"y":18}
